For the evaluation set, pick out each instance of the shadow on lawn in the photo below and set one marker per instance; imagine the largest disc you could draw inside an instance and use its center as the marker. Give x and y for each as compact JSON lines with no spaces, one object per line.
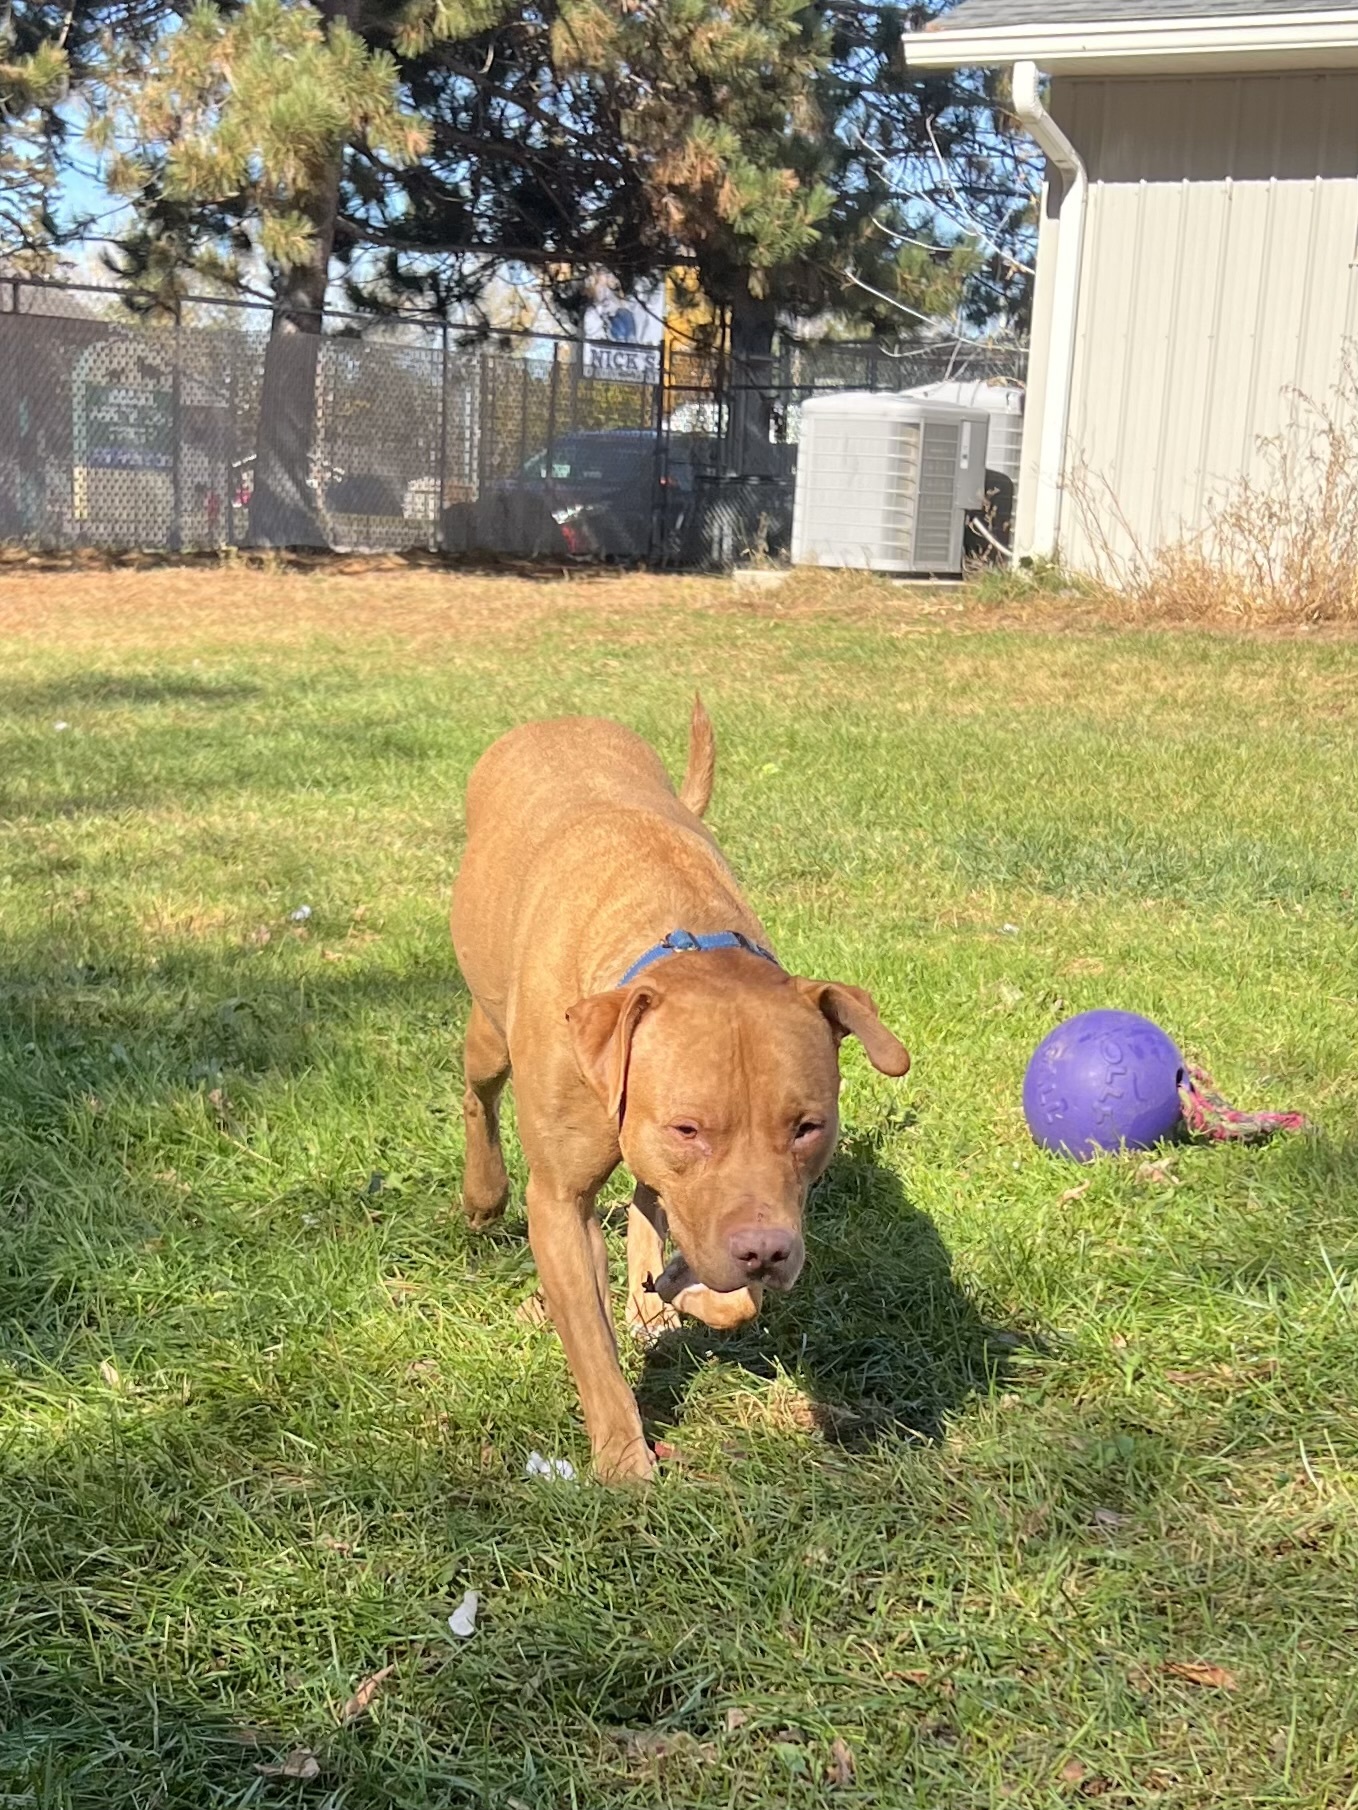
{"x":880,"y":1334}
{"x":117,"y":690}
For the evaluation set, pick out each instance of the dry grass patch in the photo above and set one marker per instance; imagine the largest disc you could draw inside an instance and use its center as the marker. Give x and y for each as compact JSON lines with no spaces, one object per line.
{"x":436,"y":607}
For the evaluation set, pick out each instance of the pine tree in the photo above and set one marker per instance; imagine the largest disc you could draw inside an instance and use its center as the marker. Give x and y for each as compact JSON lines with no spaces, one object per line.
{"x":778,"y":144}
{"x":231,"y":140}
{"x":50,"y":53}
{"x":31,"y":85}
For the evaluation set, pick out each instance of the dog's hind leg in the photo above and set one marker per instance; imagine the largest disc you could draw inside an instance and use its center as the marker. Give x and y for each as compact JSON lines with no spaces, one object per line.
{"x":485,"y":1185}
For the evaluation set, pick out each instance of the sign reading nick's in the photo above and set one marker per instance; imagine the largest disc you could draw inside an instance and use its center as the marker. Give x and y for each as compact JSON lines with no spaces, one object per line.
{"x":623,"y":333}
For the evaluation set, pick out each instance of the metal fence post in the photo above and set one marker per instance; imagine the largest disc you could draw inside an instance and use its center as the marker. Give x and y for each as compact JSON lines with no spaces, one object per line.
{"x":230,"y":511}
{"x":485,"y":412}
{"x":439,"y":500}
{"x":176,"y":438}
{"x":524,"y":380}
{"x":549,"y":480}
{"x":660,"y":493}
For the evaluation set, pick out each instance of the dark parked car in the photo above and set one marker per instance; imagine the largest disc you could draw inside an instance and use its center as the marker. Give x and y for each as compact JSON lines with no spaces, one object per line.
{"x":614,"y":493}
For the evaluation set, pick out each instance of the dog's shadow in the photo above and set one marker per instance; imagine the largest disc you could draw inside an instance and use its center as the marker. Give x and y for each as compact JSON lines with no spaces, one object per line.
{"x":882,"y":1339}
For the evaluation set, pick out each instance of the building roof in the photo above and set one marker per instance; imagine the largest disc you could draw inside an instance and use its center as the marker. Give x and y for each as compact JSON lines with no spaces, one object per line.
{"x":1142,"y":37}
{"x":976,"y":15}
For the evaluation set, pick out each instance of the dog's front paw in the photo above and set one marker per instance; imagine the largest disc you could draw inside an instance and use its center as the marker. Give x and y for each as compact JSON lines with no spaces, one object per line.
{"x":621,"y":1462}
{"x":484,"y":1211}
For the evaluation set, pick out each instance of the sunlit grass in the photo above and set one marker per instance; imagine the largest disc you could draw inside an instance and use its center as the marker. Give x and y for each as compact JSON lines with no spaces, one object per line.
{"x":1023,"y":1436}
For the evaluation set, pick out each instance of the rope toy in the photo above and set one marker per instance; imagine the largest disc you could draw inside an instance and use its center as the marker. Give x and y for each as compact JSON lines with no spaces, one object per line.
{"x":1208,"y":1115}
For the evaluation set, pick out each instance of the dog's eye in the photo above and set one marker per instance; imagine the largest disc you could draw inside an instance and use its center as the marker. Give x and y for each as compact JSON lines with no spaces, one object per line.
{"x":684,"y":1130}
{"x":809,"y":1128}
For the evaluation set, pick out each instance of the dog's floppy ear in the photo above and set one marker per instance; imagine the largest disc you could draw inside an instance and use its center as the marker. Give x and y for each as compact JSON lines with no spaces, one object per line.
{"x":601,"y":1034}
{"x":853,"y":1013}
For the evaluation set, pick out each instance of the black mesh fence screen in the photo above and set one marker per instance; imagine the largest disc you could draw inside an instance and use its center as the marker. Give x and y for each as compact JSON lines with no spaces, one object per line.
{"x":376,"y":437}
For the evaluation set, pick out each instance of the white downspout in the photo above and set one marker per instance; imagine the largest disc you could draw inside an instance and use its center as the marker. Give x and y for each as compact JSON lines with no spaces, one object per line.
{"x":1070,"y":214}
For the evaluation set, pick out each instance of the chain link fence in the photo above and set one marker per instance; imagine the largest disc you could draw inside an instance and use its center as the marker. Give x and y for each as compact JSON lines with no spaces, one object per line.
{"x":211,"y":433}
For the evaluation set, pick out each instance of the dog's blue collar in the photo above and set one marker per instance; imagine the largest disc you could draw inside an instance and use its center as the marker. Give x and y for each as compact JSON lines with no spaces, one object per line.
{"x":683,"y":942}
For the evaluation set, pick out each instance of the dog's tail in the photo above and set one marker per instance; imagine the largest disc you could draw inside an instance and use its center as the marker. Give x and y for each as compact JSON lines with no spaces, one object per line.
{"x":701,"y":771}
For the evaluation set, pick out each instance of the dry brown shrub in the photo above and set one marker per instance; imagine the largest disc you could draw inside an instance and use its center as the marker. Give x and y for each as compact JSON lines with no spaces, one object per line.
{"x":1278,"y":549}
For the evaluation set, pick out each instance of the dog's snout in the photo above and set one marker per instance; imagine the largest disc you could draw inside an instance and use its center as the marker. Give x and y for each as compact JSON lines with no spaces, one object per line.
{"x":766,"y":1253}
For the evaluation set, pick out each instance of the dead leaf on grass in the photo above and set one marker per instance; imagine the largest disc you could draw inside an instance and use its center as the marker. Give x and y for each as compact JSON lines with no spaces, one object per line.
{"x":533,"y":1311}
{"x":1159,"y":1173}
{"x":1072,"y":1773}
{"x":110,"y":1373}
{"x":1221,"y":1376}
{"x":840,"y":1771}
{"x":916,"y":1677}
{"x":790,"y":1407}
{"x":944,"y":1733}
{"x":659,"y":1744}
{"x":1197,"y":1671}
{"x":736,"y":1718}
{"x":1073,"y":1194}
{"x":361,"y":1701}
{"x":1109,"y":1517}
{"x":301,"y":1763}
{"x":834,"y":1417}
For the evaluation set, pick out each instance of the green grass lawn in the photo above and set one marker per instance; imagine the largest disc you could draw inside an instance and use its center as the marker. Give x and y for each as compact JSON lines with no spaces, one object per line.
{"x":1025,"y":1437}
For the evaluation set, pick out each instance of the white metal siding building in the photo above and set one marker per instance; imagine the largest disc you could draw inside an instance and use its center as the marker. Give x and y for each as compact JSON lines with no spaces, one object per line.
{"x":1198,"y":253}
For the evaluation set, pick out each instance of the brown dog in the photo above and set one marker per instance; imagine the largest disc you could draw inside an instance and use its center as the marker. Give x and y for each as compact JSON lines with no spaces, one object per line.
{"x":711,"y":1072}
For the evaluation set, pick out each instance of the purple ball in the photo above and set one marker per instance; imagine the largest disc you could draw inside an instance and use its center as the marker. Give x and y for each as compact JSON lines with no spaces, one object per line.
{"x":1103,"y":1081}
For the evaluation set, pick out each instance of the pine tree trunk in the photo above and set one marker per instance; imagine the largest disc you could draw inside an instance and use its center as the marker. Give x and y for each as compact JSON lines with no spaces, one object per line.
{"x":750,"y":447}
{"x":284,"y":507}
